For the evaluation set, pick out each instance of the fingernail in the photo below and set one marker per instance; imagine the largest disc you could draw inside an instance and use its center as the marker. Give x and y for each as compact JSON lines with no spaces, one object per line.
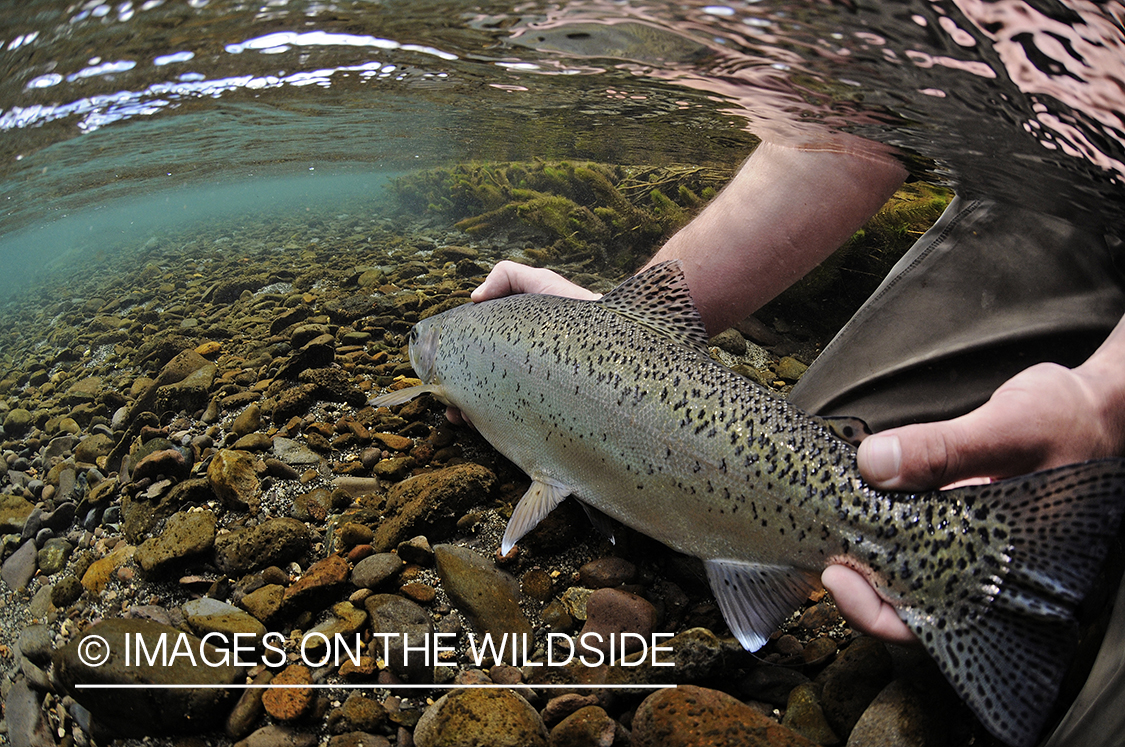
{"x":882,"y":457}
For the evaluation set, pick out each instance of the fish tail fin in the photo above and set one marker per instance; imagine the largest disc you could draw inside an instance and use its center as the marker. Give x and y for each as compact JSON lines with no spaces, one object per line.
{"x":1006,"y":651}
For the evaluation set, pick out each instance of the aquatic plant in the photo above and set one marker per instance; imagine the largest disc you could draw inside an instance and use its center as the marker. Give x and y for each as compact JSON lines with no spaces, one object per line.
{"x":828,"y":296}
{"x":601,"y":215}
{"x":611,"y":218}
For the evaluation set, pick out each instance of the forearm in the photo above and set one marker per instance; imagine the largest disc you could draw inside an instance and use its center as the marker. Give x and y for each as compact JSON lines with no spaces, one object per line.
{"x":783,"y":213}
{"x":1104,"y":374}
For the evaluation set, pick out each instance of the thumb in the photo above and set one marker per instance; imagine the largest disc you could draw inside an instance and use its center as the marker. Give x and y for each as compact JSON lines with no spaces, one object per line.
{"x":929,"y":455}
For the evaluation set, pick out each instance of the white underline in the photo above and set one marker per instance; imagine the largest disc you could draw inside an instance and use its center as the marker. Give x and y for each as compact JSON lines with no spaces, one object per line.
{"x":87,"y":686}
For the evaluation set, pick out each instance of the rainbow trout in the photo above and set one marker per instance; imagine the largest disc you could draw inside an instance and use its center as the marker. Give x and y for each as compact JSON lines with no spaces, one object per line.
{"x":618,"y":403}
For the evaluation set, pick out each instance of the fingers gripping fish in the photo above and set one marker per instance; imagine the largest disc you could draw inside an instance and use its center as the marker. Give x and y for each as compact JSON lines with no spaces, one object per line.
{"x":617,"y":402}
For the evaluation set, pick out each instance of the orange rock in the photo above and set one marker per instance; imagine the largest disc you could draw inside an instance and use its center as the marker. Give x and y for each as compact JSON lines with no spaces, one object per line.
{"x":289,"y":703}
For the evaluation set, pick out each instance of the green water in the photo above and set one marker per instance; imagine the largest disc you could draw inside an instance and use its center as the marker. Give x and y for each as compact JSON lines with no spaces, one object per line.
{"x":119,"y":119}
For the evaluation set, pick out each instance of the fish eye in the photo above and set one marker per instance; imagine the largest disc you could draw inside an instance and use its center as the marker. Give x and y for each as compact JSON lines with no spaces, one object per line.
{"x":413,"y":335}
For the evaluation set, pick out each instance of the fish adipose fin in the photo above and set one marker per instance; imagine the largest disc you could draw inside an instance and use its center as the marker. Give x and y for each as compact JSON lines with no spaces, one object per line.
{"x":755,"y":598}
{"x":402,"y":396}
{"x":852,"y":430}
{"x":539,"y":500}
{"x":658,"y":299}
{"x":1007,"y":655}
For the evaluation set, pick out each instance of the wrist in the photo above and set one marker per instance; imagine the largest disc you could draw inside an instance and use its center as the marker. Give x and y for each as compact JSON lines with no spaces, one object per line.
{"x":1103,"y":376}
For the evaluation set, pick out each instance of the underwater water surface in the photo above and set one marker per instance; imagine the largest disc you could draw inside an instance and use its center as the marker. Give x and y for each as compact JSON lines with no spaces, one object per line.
{"x":108,"y":106}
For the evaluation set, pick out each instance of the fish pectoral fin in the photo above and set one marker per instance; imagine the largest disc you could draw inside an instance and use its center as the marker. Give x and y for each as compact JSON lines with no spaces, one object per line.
{"x":755,"y":598}
{"x":402,"y":396}
{"x":539,"y":500}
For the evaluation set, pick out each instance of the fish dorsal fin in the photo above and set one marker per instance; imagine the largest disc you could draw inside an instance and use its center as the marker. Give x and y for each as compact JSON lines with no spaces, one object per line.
{"x":755,"y":598}
{"x":659,"y":299}
{"x":539,"y":500}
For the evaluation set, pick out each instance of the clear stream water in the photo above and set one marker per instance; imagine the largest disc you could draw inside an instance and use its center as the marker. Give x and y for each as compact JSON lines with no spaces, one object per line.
{"x":120,"y":118}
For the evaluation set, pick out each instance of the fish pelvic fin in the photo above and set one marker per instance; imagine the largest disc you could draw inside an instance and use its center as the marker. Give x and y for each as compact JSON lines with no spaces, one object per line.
{"x":659,"y":300}
{"x":755,"y":598}
{"x":539,"y":500}
{"x":402,"y":396}
{"x":1006,"y":655}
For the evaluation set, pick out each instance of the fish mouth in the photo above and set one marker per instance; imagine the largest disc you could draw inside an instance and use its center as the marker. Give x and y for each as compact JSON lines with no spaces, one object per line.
{"x":424,"y":343}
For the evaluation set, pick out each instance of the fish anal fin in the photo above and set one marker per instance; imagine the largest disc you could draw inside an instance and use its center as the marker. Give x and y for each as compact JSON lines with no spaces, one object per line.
{"x":402,"y":396}
{"x":755,"y":598}
{"x":659,"y":300}
{"x":539,"y":500}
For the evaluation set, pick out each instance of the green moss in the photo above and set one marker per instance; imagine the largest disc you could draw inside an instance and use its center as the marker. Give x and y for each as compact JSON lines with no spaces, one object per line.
{"x":608,"y":215}
{"x":828,"y":296}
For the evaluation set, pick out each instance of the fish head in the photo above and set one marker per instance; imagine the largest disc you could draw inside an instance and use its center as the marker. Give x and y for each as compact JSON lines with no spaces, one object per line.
{"x":425,"y":339}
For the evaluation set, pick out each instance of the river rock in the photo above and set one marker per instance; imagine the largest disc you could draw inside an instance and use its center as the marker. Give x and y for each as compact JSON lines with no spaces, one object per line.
{"x":691,"y":716}
{"x":206,"y":615}
{"x":375,"y":569}
{"x":611,"y":612}
{"x":186,"y":535}
{"x":400,"y":619}
{"x":587,"y":727}
{"x":92,"y":447}
{"x":771,"y":684}
{"x":248,"y":710}
{"x":606,"y":572}
{"x":13,"y":513}
{"x":273,"y":542}
{"x":169,"y":463}
{"x":896,"y":718}
{"x":264,"y":603}
{"x":248,"y":421}
{"x":290,"y":703}
{"x":19,"y":567}
{"x":292,"y":451}
{"x":346,"y":621}
{"x":53,"y":555}
{"x":141,"y":513}
{"x":481,"y":590}
{"x":23,"y":713}
{"x":320,"y":582}
{"x":100,"y":571}
{"x":472,"y":717}
{"x":804,"y":715}
{"x":150,"y":711}
{"x":234,"y":479}
{"x":358,"y":713}
{"x":17,"y":421}
{"x":188,"y":394}
{"x":851,"y":682}
{"x":35,"y":643}
{"x":277,"y":735}
{"x":431,"y":503}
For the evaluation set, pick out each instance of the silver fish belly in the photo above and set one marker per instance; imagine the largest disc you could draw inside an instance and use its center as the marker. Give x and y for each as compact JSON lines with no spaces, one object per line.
{"x":616,"y":402}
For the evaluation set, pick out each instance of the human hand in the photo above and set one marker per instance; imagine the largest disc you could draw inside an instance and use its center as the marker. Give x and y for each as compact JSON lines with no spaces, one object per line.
{"x":509,"y":278}
{"x":1045,"y":416}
